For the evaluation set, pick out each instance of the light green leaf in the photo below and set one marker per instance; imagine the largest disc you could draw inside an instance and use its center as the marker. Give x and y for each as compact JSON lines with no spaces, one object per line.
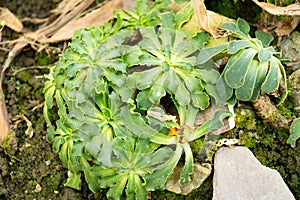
{"x":294,"y":133}
{"x":158,"y":178}
{"x":184,"y":15}
{"x":143,"y":101}
{"x":182,"y":95}
{"x":237,"y":45}
{"x":234,"y":28}
{"x":215,"y":123}
{"x":172,"y":81}
{"x":116,"y":190}
{"x":168,"y":20}
{"x":264,"y":55}
{"x":207,"y":53}
{"x":188,"y":168}
{"x":135,"y":122}
{"x":200,"y":100}
{"x":74,"y":181}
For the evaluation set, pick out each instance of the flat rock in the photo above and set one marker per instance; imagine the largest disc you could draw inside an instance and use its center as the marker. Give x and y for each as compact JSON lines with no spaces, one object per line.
{"x":238,"y":175}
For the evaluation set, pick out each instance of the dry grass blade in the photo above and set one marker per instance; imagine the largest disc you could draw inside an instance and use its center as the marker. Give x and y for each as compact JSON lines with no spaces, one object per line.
{"x":202,"y":15}
{"x":292,"y":10}
{"x":88,"y":20}
{"x":4,"y":125}
{"x":20,"y":118}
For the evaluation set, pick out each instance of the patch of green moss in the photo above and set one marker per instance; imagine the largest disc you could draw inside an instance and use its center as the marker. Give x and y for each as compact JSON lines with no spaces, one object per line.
{"x":45,"y":59}
{"x":197,"y":145}
{"x":24,"y":76}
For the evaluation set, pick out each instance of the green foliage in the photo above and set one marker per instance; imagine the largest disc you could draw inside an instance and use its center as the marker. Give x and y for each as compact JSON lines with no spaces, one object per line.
{"x":114,"y":87}
{"x":294,"y":132}
{"x":252,"y":67}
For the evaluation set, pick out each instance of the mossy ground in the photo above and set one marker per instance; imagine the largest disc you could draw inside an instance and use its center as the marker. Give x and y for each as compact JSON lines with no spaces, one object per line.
{"x":29,"y":167}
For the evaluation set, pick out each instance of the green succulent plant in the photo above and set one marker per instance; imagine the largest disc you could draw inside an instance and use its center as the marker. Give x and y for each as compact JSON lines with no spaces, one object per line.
{"x":122,"y":88}
{"x":252,"y":67}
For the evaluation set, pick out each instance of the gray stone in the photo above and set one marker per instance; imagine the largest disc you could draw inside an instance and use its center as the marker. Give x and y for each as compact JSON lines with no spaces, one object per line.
{"x":238,"y":175}
{"x":294,"y":81}
{"x":290,"y":47}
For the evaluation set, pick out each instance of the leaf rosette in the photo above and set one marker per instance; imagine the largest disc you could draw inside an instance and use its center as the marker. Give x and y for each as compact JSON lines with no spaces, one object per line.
{"x":113,"y":94}
{"x":252,"y":67}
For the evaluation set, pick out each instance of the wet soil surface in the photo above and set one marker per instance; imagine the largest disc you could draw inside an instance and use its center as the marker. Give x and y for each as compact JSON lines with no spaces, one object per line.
{"x":29,"y":167}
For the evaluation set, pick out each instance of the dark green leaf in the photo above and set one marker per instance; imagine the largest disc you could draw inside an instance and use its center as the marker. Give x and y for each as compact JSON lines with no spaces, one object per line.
{"x":264,"y":37}
{"x":261,"y":75}
{"x":245,"y":92}
{"x":243,"y":26}
{"x":236,"y":68}
{"x":271,"y":82}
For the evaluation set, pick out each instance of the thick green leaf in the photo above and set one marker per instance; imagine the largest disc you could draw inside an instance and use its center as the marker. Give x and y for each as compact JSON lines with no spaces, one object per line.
{"x":200,"y":100}
{"x":264,"y":37}
{"x":150,"y":42}
{"x":294,"y":133}
{"x":237,"y":45}
{"x":207,"y":53}
{"x":168,"y":20}
{"x":158,"y":178}
{"x":182,"y":95}
{"x":245,"y":92}
{"x":74,"y":181}
{"x":116,"y":190}
{"x":143,"y":101}
{"x":183,"y":15}
{"x":236,"y":68}
{"x":234,"y":28}
{"x":210,"y":76}
{"x":243,"y":26}
{"x":261,"y":75}
{"x":215,"y":123}
{"x":172,"y":81}
{"x":264,"y":55}
{"x":143,"y":80}
{"x":188,"y":168}
{"x":271,"y":82}
{"x":135,"y":189}
{"x":135,"y":122}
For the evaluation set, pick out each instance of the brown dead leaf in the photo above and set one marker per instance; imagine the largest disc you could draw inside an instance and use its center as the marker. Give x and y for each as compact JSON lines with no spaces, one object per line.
{"x":202,"y":16}
{"x":292,"y":10}
{"x":90,"y":19}
{"x":4,"y":125}
{"x":10,"y":20}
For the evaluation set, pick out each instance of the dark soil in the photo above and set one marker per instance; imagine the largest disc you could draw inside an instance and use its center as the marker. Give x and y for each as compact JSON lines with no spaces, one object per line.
{"x":29,"y":167}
